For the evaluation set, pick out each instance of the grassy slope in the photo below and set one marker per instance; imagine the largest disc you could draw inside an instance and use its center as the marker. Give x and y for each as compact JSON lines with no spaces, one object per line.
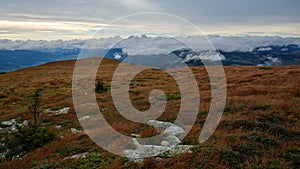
{"x":259,"y":129}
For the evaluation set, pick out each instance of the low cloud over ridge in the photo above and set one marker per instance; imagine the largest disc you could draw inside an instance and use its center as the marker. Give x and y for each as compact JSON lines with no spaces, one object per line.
{"x":137,"y":43}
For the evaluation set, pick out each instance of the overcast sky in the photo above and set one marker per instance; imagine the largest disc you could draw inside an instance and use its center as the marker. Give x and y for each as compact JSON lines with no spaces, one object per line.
{"x":79,"y":19}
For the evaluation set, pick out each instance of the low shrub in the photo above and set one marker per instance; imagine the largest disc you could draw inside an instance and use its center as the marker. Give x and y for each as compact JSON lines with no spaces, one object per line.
{"x":94,"y":160}
{"x":293,"y":156}
{"x":100,"y":87}
{"x":262,"y":107}
{"x":231,"y":158}
{"x":173,"y":96}
{"x":26,"y":139}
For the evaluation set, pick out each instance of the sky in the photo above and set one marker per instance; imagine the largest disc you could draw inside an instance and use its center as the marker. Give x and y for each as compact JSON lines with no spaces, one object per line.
{"x":81,"y":19}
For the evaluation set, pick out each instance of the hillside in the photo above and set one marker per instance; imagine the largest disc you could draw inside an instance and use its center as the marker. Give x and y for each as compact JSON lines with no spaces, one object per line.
{"x":260,"y":127}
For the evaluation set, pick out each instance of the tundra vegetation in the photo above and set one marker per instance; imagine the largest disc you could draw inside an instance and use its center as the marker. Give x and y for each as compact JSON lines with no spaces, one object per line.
{"x":260,"y":127}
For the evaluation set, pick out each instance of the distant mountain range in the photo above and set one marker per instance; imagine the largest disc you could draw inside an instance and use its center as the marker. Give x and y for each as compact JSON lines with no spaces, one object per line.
{"x":153,"y":51}
{"x":260,"y":56}
{"x":11,"y":60}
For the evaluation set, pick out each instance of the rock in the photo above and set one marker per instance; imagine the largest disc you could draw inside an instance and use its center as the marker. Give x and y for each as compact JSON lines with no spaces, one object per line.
{"x":25,"y":123}
{"x":159,"y":124}
{"x":12,"y":125}
{"x":58,"y":126}
{"x":84,"y":118}
{"x":15,"y":157}
{"x":136,"y":135}
{"x":172,"y":140}
{"x":136,"y":143}
{"x":14,"y":128}
{"x":62,"y":111}
{"x":14,"y":121}
{"x":75,"y":131}
{"x":170,"y":128}
{"x":76,"y":156}
{"x":3,"y":154}
{"x":158,"y":158}
{"x":179,"y":149}
{"x":7,"y":123}
{"x":134,"y":156}
{"x":145,"y":151}
{"x":148,"y":150}
{"x":17,"y":150}
{"x":3,"y":151}
{"x":169,"y":146}
{"x":19,"y":156}
{"x":164,"y":143}
{"x":174,"y":130}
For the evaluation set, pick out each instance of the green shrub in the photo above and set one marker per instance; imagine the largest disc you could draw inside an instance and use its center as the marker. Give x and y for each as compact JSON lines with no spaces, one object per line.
{"x":293,"y":156}
{"x":246,"y":149}
{"x":274,"y":164}
{"x":274,"y":129}
{"x":258,"y":137}
{"x":26,"y":139}
{"x":94,"y":160}
{"x":47,"y":166}
{"x":231,"y":158}
{"x":100,"y":87}
{"x":173,"y":96}
{"x":262,"y":107}
{"x":71,"y":150}
{"x":233,"y":109}
{"x":271,"y":119}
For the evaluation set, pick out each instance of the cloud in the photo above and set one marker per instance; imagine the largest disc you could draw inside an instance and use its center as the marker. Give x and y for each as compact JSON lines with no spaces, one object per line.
{"x":262,"y":49}
{"x":205,"y":55}
{"x":271,"y":61}
{"x":83,"y":17}
{"x":135,"y":45}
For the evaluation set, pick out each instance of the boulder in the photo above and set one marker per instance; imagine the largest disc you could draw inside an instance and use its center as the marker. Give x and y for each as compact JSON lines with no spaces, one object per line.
{"x":159,"y":124}
{"x":62,"y":111}
{"x":76,"y":156}
{"x":172,"y":140}
{"x":25,"y":123}
{"x":84,"y":118}
{"x":58,"y":126}
{"x":7,"y":123}
{"x":75,"y":131}
{"x":168,"y":147}
{"x":136,"y":135}
{"x":179,"y":149}
{"x":164,"y":143}
{"x":170,"y":128}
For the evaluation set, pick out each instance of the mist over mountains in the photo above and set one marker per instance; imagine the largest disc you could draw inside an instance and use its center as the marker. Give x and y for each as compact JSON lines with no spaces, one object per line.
{"x":224,"y":43}
{"x":231,"y":50}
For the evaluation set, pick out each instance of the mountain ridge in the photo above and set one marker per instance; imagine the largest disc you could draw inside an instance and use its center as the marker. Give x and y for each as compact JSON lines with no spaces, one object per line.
{"x":11,"y":60}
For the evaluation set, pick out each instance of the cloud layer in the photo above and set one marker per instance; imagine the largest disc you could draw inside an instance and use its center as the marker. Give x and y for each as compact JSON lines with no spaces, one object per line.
{"x":156,"y":45}
{"x":71,"y":19}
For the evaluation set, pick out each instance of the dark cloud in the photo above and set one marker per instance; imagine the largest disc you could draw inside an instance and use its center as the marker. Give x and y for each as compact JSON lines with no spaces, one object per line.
{"x":211,"y":13}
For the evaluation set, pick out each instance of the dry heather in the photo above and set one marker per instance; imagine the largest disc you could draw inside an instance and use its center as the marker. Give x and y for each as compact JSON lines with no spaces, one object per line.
{"x":259,"y":129}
